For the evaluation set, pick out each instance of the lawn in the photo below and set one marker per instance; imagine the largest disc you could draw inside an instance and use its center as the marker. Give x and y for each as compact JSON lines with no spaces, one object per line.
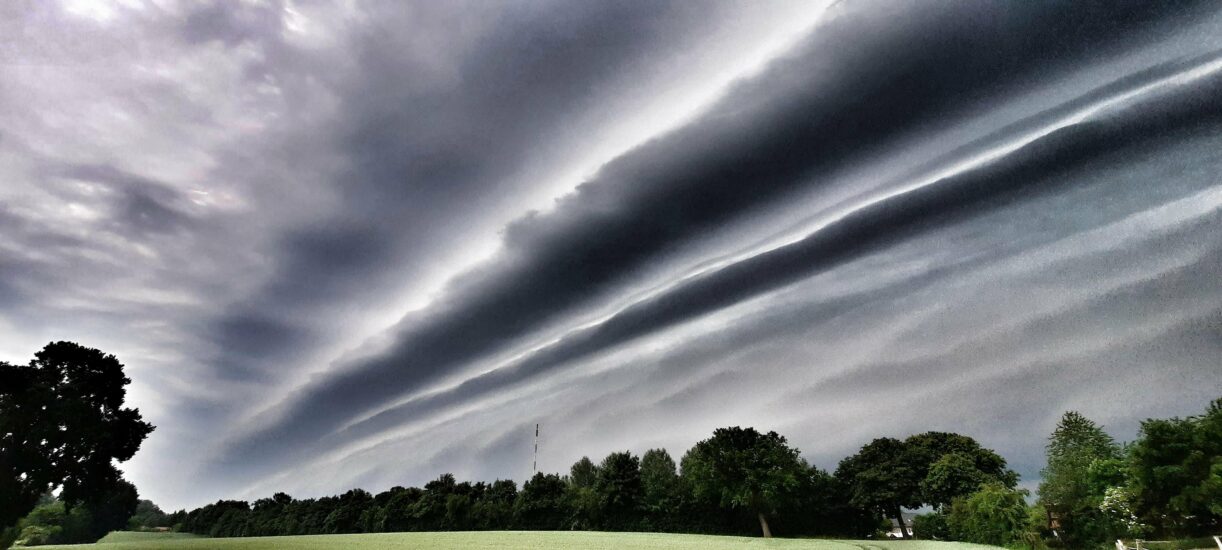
{"x":509,"y":540}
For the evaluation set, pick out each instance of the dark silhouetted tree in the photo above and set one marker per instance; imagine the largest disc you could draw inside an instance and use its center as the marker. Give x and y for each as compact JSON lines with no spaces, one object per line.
{"x":660,"y":484}
{"x":882,"y":478}
{"x":583,"y":473}
{"x":619,"y":491}
{"x":541,"y":503}
{"x":742,"y":468}
{"x":63,"y":424}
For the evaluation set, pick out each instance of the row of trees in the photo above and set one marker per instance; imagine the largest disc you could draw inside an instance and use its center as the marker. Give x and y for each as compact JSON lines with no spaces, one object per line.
{"x":1165,"y":485}
{"x":739,"y":481}
{"x":63,"y":427}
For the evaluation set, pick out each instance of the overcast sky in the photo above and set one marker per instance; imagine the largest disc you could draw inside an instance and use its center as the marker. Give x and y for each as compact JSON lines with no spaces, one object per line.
{"x":350,"y":243}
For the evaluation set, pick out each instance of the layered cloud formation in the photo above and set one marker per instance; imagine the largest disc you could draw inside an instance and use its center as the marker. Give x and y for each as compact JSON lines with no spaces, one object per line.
{"x":360,"y":244}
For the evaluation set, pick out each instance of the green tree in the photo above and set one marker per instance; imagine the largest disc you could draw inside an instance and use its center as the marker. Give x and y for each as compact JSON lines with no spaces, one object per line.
{"x":583,"y":500}
{"x":952,"y":476}
{"x":1176,"y":473}
{"x":742,"y":468}
{"x":660,"y":481}
{"x":495,"y":509}
{"x":63,"y":424}
{"x":1066,"y":490}
{"x":541,"y":504}
{"x":583,"y":473}
{"x":933,"y":468}
{"x":995,"y":515}
{"x":931,"y":526}
{"x":148,"y":515}
{"x":619,"y":491}
{"x":883,"y":478}
{"x":951,"y":465}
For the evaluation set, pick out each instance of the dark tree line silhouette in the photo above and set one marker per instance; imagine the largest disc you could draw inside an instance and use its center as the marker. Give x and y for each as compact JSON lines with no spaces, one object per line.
{"x":63,"y":426}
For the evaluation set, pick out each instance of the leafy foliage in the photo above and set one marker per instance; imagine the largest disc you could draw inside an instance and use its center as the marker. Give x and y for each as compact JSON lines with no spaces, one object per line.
{"x":932,"y":468}
{"x":1067,"y":491}
{"x":63,"y":425}
{"x":995,"y":515}
{"x":740,"y":467}
{"x":1176,"y":473}
{"x":620,"y":491}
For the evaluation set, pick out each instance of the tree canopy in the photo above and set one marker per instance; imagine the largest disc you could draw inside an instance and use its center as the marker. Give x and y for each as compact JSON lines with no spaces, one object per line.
{"x":931,"y":468}
{"x":740,"y":467}
{"x":1075,"y":444}
{"x":63,"y":425}
{"x":1176,"y":472}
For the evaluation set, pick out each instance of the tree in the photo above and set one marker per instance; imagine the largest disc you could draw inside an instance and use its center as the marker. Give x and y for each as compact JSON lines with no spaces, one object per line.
{"x":742,"y":468}
{"x":583,"y":473}
{"x":660,"y":484}
{"x":995,"y":515}
{"x":933,"y":468}
{"x":581,"y":496}
{"x":1066,"y":491}
{"x":109,"y":511}
{"x":1176,"y":473}
{"x":62,"y":424}
{"x":951,"y":465}
{"x":883,"y":478}
{"x":619,"y":491}
{"x":148,"y":515}
{"x":495,"y":509}
{"x":541,"y":503}
{"x":951,"y":476}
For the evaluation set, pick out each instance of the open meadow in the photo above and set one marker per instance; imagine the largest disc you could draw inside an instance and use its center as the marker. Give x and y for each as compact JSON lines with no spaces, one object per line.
{"x":506,"y":540}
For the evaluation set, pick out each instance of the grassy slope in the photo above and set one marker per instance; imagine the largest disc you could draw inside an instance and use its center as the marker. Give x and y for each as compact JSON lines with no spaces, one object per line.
{"x":507,"y":540}
{"x":138,"y":536}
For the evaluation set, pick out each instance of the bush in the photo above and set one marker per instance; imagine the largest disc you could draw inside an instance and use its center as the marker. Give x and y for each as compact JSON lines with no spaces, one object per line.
{"x":931,"y":526}
{"x":994,"y":515}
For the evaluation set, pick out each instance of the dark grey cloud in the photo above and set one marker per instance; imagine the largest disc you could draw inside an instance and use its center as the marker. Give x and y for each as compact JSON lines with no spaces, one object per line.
{"x":768,"y":136}
{"x":424,"y":151}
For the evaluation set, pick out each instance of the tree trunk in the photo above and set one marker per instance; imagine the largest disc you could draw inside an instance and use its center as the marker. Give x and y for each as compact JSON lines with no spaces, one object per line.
{"x":899,"y":516}
{"x":764,"y":526}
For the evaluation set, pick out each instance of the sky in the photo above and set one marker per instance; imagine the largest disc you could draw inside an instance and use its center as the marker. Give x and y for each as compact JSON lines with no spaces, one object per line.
{"x":362,"y":243}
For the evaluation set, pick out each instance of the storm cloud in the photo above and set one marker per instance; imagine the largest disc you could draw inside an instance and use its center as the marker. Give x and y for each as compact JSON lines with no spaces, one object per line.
{"x":365,"y":243}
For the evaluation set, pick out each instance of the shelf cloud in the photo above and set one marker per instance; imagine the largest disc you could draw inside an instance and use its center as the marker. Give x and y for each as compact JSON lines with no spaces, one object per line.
{"x":364,"y":243}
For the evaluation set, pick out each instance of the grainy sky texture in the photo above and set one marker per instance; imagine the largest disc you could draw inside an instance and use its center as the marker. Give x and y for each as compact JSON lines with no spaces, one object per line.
{"x":358,"y":243}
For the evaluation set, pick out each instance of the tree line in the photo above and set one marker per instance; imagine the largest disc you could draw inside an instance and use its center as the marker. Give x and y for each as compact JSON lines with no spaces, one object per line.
{"x":62,"y":426}
{"x":1167,"y":484}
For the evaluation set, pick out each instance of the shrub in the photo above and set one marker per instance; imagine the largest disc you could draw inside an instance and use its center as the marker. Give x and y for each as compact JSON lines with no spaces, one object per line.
{"x":994,"y":515}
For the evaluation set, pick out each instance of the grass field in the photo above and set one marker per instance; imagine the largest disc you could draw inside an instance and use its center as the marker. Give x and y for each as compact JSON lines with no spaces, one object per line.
{"x":509,"y":540}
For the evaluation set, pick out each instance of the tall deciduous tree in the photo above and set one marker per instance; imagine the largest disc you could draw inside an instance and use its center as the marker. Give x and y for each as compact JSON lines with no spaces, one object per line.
{"x":583,"y":473}
{"x":1176,"y":473}
{"x":740,"y":467}
{"x":883,"y":478}
{"x":659,"y":478}
{"x":1065,"y":491}
{"x":619,"y":491}
{"x":995,"y":515}
{"x":933,"y":468}
{"x":63,"y":424}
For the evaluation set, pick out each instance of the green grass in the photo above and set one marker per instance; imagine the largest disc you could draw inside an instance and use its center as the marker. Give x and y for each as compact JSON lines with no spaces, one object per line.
{"x":505,"y":540}
{"x":141,"y":536}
